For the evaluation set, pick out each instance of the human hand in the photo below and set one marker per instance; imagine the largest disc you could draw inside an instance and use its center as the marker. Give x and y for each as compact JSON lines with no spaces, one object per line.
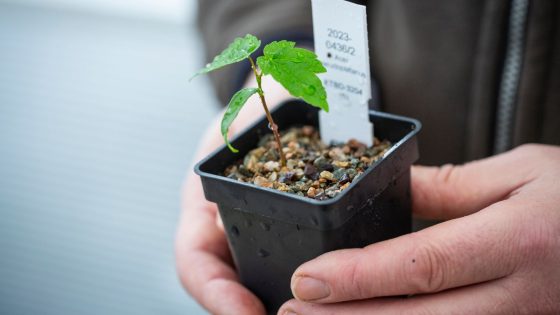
{"x":203,"y":259}
{"x":499,"y":253}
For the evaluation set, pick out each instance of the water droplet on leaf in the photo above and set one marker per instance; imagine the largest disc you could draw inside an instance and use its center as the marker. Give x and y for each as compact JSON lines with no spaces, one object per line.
{"x":310,"y":90}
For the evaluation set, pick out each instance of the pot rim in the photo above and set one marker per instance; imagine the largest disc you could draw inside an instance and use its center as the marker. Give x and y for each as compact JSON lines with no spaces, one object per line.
{"x":415,"y":124}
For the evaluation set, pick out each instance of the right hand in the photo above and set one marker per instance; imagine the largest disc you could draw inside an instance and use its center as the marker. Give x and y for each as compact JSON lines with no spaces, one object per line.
{"x":203,"y":259}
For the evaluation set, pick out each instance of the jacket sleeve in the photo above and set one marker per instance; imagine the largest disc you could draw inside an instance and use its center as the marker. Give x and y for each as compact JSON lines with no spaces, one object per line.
{"x":220,"y":21}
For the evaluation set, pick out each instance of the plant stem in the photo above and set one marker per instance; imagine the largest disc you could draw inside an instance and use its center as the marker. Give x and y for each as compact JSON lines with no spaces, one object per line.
{"x":272,"y":125}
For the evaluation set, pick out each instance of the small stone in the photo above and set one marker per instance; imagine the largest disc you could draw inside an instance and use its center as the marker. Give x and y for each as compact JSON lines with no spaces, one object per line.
{"x":360,"y":152}
{"x":271,"y":155}
{"x":365,"y":160}
{"x":309,"y":170}
{"x":337,"y":154}
{"x":258,"y":152}
{"x":286,"y":177}
{"x":289,"y":136}
{"x":307,"y":131}
{"x":320,"y":195}
{"x":250,"y":162}
{"x":351,"y":173}
{"x":273,"y":176}
{"x":327,"y":175}
{"x":320,"y":162}
{"x":355,"y":144}
{"x":293,"y":145}
{"x":299,"y":173}
{"x":263,"y":182}
{"x":344,"y":179}
{"x":332,"y":191}
{"x":291,"y":164}
{"x":346,"y":149}
{"x":344,"y":186}
{"x":311,"y":192}
{"x":271,"y":166}
{"x":341,"y":164}
{"x":337,"y":174}
{"x":282,"y":187}
{"x":244,"y":171}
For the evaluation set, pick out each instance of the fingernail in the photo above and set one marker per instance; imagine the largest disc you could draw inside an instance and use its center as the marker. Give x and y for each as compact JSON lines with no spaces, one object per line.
{"x":309,"y":289}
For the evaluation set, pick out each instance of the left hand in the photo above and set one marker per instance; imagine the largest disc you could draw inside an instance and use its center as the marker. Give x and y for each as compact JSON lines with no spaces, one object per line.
{"x":499,"y":253}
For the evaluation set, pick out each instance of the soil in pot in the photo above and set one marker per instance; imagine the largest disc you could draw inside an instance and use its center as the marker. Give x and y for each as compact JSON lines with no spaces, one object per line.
{"x":313,"y":169}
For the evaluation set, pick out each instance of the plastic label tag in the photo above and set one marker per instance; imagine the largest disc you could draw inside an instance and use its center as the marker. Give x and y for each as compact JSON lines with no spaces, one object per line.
{"x":341,"y":43}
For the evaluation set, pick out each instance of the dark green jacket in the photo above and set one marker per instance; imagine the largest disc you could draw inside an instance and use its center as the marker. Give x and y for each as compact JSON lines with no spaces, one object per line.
{"x":482,"y":76}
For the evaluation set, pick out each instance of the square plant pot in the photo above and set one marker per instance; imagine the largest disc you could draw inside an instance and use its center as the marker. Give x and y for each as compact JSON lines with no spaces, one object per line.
{"x":271,"y":233}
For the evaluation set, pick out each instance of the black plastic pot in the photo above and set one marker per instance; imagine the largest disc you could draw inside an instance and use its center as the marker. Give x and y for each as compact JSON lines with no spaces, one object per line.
{"x":271,"y":233}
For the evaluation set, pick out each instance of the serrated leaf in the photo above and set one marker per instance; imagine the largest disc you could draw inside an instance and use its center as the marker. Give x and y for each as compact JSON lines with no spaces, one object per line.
{"x":240,"y":49}
{"x":235,"y":104}
{"x":296,"y":69}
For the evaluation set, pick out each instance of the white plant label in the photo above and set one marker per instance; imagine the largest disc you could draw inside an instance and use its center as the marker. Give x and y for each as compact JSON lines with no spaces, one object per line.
{"x":341,"y":43}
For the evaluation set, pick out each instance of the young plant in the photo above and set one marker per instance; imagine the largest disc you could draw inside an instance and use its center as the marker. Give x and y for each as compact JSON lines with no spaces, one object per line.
{"x":294,"y":68}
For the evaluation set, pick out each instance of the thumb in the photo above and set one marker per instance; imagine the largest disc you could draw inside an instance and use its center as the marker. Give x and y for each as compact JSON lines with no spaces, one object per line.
{"x":453,"y":191}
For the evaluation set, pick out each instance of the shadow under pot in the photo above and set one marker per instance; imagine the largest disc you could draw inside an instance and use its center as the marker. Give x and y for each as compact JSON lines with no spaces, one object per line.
{"x":270,"y":233}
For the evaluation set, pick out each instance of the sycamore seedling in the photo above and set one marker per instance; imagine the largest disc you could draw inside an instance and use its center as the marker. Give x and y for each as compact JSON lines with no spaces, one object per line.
{"x":294,"y":68}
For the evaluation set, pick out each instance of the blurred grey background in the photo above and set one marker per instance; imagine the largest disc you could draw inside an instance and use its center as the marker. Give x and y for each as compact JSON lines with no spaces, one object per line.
{"x":98,"y":124}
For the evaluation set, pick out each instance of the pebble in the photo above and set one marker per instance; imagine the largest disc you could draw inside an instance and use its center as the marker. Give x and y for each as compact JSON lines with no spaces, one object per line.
{"x":311,"y":192}
{"x":337,"y":154}
{"x":355,"y":144}
{"x":321,"y":162}
{"x":312,"y":168}
{"x":272,"y":166}
{"x":327,"y":175}
{"x":337,"y":174}
{"x":341,"y":164}
{"x":291,"y":164}
{"x":263,"y":182}
{"x":307,"y":131}
{"x":309,"y":170}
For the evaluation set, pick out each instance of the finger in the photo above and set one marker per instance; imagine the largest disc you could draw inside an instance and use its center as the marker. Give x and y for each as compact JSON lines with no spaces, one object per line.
{"x":454,"y":191}
{"x":203,"y":269}
{"x":444,"y":256}
{"x":488,"y":298}
{"x":204,"y":261}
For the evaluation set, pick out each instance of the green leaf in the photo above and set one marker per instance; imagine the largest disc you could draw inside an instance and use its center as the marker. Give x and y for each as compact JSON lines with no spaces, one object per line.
{"x":235,"y":104}
{"x":240,"y":49}
{"x":296,"y":69}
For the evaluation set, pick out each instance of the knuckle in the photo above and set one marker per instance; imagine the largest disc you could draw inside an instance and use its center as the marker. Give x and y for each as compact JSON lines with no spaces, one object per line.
{"x":355,"y":286}
{"x":426,"y":269}
{"x":536,"y":241}
{"x":506,"y":302}
{"x":537,"y":151}
{"x":447,"y":173}
{"x":446,"y":179}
